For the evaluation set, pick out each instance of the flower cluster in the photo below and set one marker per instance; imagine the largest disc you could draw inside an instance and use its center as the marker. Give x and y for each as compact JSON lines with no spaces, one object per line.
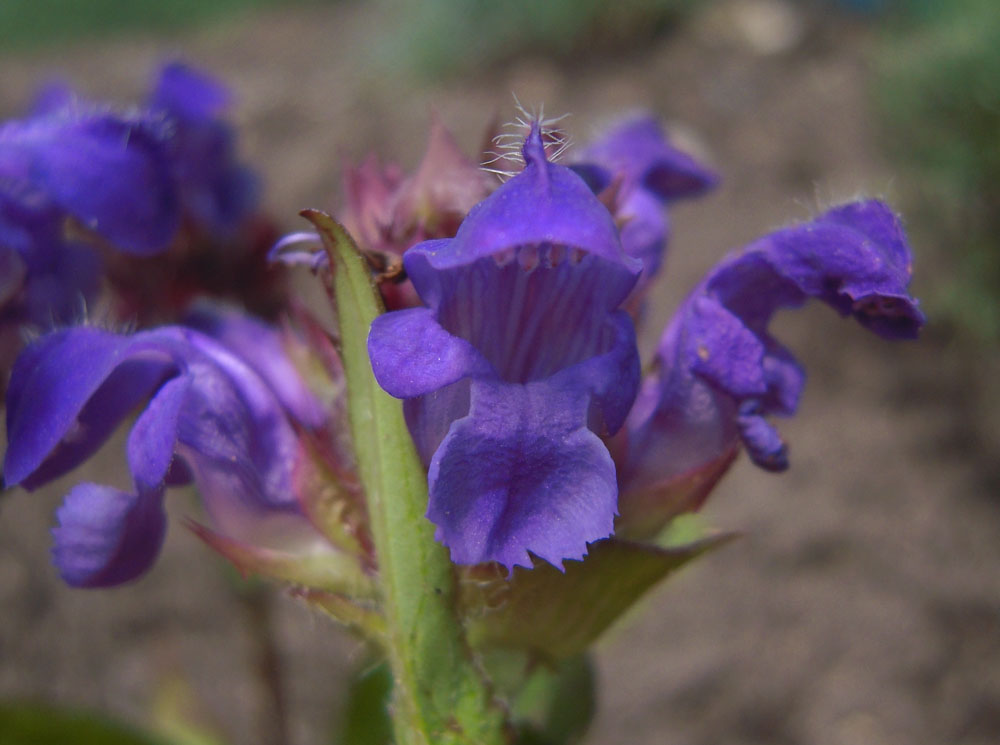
{"x":54,"y":168}
{"x":522,"y":368}
{"x":89,"y":192}
{"x":510,"y":339}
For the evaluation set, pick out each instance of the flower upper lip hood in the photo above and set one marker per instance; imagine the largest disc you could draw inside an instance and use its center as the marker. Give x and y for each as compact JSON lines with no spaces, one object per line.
{"x":634,"y":167}
{"x":544,"y":204}
{"x":218,"y":191}
{"x":106,"y":169}
{"x":637,"y":152}
{"x":189,"y":94}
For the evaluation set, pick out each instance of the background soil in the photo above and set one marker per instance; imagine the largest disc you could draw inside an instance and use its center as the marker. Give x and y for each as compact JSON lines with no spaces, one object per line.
{"x":863,"y":605}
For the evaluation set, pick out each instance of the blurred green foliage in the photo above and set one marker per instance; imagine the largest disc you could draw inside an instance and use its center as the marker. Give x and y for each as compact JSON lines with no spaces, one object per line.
{"x":556,"y":705}
{"x":24,"y":723}
{"x":27,"y":23}
{"x":939,"y":93}
{"x":442,"y":37}
{"x":365,"y":717}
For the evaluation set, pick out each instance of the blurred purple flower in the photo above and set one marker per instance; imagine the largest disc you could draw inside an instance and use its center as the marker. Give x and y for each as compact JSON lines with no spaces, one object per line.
{"x":516,"y":366}
{"x":106,"y":172}
{"x":210,"y":416}
{"x":46,"y":276}
{"x":78,"y":177}
{"x":218,"y":192}
{"x":645,"y":173}
{"x":721,"y":372}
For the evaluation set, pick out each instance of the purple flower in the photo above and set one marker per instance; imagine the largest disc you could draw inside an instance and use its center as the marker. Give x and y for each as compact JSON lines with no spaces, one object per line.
{"x":516,"y":366}
{"x":46,"y":276}
{"x":124,"y":180}
{"x":104,"y":171}
{"x":636,"y":161}
{"x":218,"y":192}
{"x":107,"y":170}
{"x":720,"y":371}
{"x":209,"y":416}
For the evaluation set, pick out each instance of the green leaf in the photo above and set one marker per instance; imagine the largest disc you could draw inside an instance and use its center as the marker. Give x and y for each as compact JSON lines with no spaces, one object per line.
{"x":549,"y":704}
{"x":556,"y":704}
{"x":556,"y":615}
{"x":684,"y":530}
{"x":42,"y":724}
{"x":439,"y":697}
{"x":365,"y":720}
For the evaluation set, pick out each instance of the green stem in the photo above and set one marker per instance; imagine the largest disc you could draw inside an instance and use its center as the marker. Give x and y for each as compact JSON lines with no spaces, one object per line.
{"x":440,"y":697}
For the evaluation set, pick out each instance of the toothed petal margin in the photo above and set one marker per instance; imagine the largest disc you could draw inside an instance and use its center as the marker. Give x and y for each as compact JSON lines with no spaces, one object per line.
{"x":522,"y":473}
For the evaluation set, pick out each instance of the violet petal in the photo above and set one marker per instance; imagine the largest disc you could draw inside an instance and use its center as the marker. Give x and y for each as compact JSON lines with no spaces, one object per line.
{"x":522,"y":473}
{"x":260,"y":346}
{"x":51,"y":385}
{"x":105,"y":537}
{"x":107,"y":170}
{"x":153,"y":437}
{"x":412,"y":354}
{"x":638,"y":152}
